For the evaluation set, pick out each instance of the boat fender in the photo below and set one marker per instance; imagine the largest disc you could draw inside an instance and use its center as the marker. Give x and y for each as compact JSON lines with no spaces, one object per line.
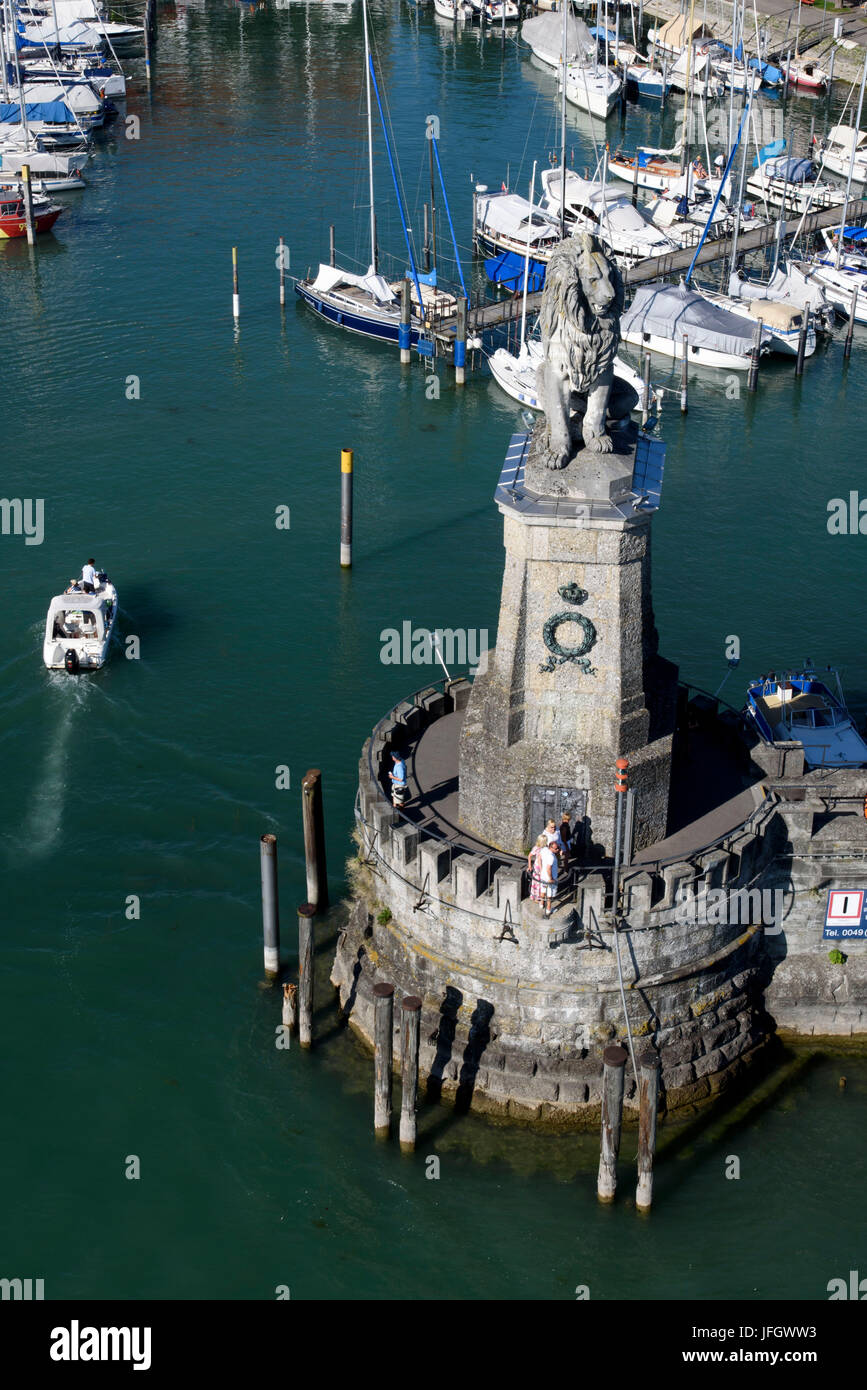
{"x":71,"y":661}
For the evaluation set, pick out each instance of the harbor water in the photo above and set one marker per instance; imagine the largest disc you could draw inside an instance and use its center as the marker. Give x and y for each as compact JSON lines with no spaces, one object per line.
{"x":164,"y":441}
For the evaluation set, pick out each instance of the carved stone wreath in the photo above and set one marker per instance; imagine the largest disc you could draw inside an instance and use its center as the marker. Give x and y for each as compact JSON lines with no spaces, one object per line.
{"x":560,"y":654}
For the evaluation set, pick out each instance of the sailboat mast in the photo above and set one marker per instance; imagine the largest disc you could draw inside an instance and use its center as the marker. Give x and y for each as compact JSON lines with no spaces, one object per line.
{"x":565,"y":6}
{"x":433,"y":206}
{"x":527,"y":263}
{"x":686,"y":102}
{"x":851,"y":164}
{"x":13,"y":38}
{"x":369,"y":137}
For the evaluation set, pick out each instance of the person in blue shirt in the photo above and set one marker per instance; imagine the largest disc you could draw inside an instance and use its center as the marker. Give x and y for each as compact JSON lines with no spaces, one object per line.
{"x":399,"y":786}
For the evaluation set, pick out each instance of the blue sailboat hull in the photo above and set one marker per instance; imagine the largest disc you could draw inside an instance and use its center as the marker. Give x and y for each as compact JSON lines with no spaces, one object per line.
{"x":382,"y":330}
{"x":507,"y":269}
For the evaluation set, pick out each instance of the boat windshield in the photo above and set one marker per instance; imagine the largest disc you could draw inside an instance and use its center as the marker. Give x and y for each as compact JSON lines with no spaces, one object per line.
{"x":72,"y":622}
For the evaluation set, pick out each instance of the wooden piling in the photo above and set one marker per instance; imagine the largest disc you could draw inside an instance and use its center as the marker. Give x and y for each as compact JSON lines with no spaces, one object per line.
{"x":346,"y":508}
{"x":648,"y":1099}
{"x":314,"y":839}
{"x":270,"y":907}
{"x":306,"y":913}
{"x":332,"y":254}
{"x":850,"y":327}
{"x":755,"y":354}
{"x":404,"y":332}
{"x":461,"y":343}
{"x":383,"y":1023}
{"x":802,"y":343}
{"x":410,"y":1012}
{"x":28,"y":204}
{"x":236,"y":298}
{"x":684,"y":402}
{"x":290,"y":997}
{"x":282,"y":276}
{"x":614,"y":1062}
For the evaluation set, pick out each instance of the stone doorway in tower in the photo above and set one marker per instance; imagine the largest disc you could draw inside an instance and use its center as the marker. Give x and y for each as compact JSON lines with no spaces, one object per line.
{"x":549,"y":803}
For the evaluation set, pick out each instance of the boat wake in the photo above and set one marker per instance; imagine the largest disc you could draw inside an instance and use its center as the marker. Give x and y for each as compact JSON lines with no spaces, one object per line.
{"x":43,"y":821}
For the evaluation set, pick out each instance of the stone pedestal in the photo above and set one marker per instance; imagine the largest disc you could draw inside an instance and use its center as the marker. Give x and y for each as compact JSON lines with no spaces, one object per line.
{"x":575,"y":680}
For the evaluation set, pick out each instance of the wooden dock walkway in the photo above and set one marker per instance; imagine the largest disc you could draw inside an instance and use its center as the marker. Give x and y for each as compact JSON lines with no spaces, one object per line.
{"x":505,"y":311}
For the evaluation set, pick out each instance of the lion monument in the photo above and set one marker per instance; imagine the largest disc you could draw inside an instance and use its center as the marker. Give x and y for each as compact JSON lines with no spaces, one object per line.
{"x":580,"y":324}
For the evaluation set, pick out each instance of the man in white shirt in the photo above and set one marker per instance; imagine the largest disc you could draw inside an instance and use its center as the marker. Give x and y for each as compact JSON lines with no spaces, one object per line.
{"x":548,"y":867}
{"x":88,"y":578}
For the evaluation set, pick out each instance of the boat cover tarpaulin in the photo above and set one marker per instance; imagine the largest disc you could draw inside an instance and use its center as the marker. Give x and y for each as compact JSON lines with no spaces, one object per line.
{"x":77,"y":34}
{"x":670,"y":311}
{"x":795,"y":170}
{"x":510,"y":215}
{"x":331,"y":276}
{"x":545,"y":32}
{"x":678,"y":31}
{"x":776,"y":147}
{"x":51,"y":112}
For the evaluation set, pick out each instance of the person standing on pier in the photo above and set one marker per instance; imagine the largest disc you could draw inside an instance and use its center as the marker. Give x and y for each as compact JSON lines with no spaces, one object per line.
{"x":566,"y":833}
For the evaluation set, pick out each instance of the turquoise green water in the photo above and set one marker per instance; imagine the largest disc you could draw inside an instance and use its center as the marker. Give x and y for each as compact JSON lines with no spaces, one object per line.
{"x":150,"y":1037}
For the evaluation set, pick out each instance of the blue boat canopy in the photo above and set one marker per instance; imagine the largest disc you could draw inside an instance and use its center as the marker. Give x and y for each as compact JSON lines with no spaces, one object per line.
{"x":771,"y":151}
{"x":52,"y":112}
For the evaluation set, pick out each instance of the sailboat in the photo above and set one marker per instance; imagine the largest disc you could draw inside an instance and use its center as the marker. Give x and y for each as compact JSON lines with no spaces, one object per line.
{"x":606,"y":213}
{"x":368,"y":304}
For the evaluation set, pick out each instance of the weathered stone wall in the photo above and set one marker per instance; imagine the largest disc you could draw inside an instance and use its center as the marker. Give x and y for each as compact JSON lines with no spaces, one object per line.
{"x":516,"y":1009}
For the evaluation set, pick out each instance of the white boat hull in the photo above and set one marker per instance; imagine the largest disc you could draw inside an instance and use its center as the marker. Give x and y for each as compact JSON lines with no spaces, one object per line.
{"x":90,"y":652}
{"x":697,"y":357}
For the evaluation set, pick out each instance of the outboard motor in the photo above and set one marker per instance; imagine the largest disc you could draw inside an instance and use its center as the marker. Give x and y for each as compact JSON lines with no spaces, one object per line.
{"x":71,"y":661}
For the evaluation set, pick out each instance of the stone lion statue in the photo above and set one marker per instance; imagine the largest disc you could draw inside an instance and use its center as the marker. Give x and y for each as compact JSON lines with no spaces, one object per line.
{"x":580,"y":325}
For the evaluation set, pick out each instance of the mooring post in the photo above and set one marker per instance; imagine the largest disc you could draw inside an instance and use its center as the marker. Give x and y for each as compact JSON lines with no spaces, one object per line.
{"x":404,"y":331}
{"x":306,"y":913}
{"x":850,"y":327}
{"x":410,"y":1012}
{"x":346,"y":508}
{"x":461,"y":343}
{"x":236,"y":298}
{"x":802,"y":343}
{"x":28,"y":204}
{"x":613,"y":1064}
{"x":648,"y":1097}
{"x":664,"y":82}
{"x":290,"y":995}
{"x":755,"y":353}
{"x":270,"y":908}
{"x":684,"y":404}
{"x":332,"y":254}
{"x":831,"y":70}
{"x":147,"y":49}
{"x":786,"y":75}
{"x":645,"y":405}
{"x":383,"y":1044}
{"x":635,"y":178}
{"x":314,"y":839}
{"x":282,"y":276}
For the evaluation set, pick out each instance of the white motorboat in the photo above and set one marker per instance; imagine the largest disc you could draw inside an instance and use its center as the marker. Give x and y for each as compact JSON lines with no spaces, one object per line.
{"x":492,"y":10}
{"x":783,"y":321}
{"x":835,"y":152}
{"x":791,"y":185}
{"x":788,"y":285}
{"x":78,"y":628}
{"x":841,"y":276}
{"x":665,"y":318}
{"x":799,"y":707}
{"x":606,"y":213}
{"x":592,"y":88}
{"x":516,"y":374}
{"x":454,"y":9}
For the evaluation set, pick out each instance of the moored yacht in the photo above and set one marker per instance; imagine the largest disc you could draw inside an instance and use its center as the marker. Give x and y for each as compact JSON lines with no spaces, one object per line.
{"x":800,"y":707}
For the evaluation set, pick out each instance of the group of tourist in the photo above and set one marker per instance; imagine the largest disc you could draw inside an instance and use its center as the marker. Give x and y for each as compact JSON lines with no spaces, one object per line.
{"x":549,"y":859}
